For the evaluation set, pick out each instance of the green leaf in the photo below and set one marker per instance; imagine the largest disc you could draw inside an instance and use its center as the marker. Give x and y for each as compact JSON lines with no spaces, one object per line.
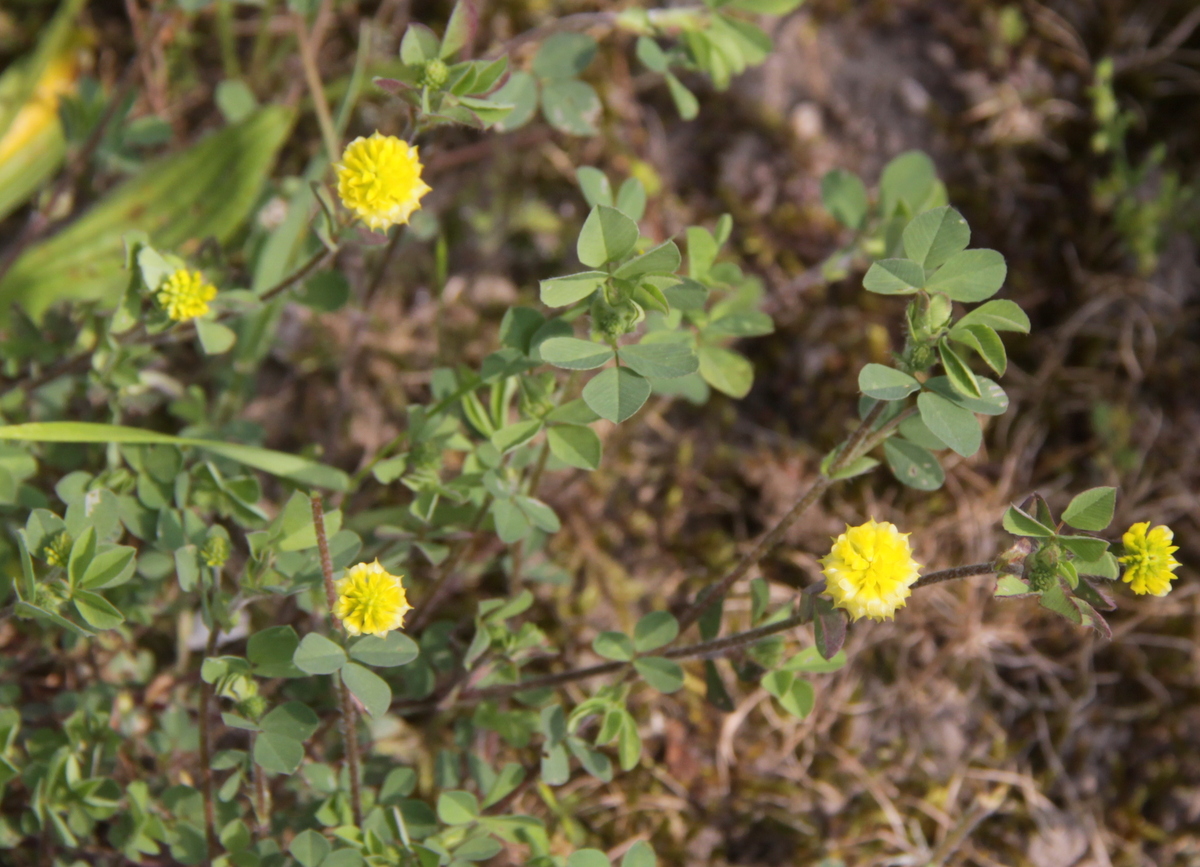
{"x":571,"y":106}
{"x":616,"y":394}
{"x":799,"y":699}
{"x":293,"y":719}
{"x":663,"y":259}
{"x":958,"y":372}
{"x":894,"y":277}
{"x":271,"y":650}
{"x":516,"y":434}
{"x":556,"y":766}
{"x":457,"y":808}
{"x":458,"y":29}
{"x":1092,"y":510}
{"x":595,"y":186}
{"x":985,"y":341}
{"x":418,"y":45}
{"x":999,"y":314}
{"x":631,"y":199}
{"x":906,"y":180}
{"x":607,"y":235}
{"x":951,"y":423}
{"x":285,"y":466}
{"x":934,"y":236}
{"x":571,"y":353}
{"x":1020,"y":523}
{"x":564,"y":291}
{"x":1085,"y":547}
{"x":661,"y":359}
{"x":991,"y":401}
{"x":1102,"y":567}
{"x":1011,"y":585}
{"x":512,"y":525}
{"x":845,"y":197}
{"x":521,"y":92}
{"x":656,"y":629}
{"x":590,"y":857}
{"x":538,"y":513}
{"x":573,"y":412}
{"x":316,"y":654}
{"x":741,"y":323}
{"x":685,"y":101}
{"x":368,"y":687}
{"x":663,"y":674}
{"x":277,"y":754}
{"x":215,"y":337}
{"x":97,"y":611}
{"x":1056,"y":600}
{"x":640,"y":854}
{"x":309,"y":848}
{"x":652,"y":57}
{"x":83,"y":549}
{"x":564,"y":55}
{"x":913,"y":465}
{"x":614,"y":645}
{"x":725,"y":370}
{"x":575,"y":445}
{"x":388,"y":651}
{"x":886,"y":383}
{"x":972,"y":275}
{"x":810,"y":660}
{"x":109,"y":568}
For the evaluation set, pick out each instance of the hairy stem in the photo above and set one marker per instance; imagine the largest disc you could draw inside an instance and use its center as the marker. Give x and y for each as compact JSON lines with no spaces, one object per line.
{"x":345,"y":704}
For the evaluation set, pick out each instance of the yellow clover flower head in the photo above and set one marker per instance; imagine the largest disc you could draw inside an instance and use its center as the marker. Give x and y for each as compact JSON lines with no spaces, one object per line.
{"x":184,"y":295}
{"x":370,"y":600}
{"x":1148,"y":561}
{"x":379,"y":179}
{"x":870,"y":569}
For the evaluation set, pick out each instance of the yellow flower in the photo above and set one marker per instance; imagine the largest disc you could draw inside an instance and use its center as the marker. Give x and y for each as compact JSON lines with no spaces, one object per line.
{"x":379,"y":178}
{"x":370,"y":600}
{"x":1148,"y":561}
{"x":184,"y":295}
{"x":869,"y":570}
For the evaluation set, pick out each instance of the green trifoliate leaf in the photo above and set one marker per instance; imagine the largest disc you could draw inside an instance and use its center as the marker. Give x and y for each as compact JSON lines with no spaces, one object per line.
{"x":972,"y":275}
{"x":614,"y":645}
{"x":951,"y":423}
{"x":571,"y":106}
{"x":97,"y":611}
{"x":934,"y":236}
{"x":1085,"y":547}
{"x":575,"y":445}
{"x":631,"y":199}
{"x":663,"y":259}
{"x":725,"y":370}
{"x":907,"y":181}
{"x":886,"y":383}
{"x":665,"y":675}
{"x":368,"y":687}
{"x":594,"y":183}
{"x":316,"y":654}
{"x":999,"y":314}
{"x":564,"y":291}
{"x":309,"y":848}
{"x":277,"y":754}
{"x":991,"y":401}
{"x":457,"y":808}
{"x":1103,"y":567}
{"x":564,"y":55}
{"x":985,"y":341}
{"x":894,"y":277}
{"x":388,"y":651}
{"x":292,"y":719}
{"x":1092,"y":510}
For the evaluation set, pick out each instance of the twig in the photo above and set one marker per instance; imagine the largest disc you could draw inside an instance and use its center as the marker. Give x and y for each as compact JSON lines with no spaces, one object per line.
{"x":345,"y":705}
{"x":312,"y":77}
{"x":846,"y":453}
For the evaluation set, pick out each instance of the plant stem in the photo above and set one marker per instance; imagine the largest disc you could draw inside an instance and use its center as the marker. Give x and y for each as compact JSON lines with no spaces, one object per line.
{"x":345,"y":704}
{"x":847,"y":453}
{"x":206,"y":774}
{"x":700,"y":650}
{"x":312,"y":77}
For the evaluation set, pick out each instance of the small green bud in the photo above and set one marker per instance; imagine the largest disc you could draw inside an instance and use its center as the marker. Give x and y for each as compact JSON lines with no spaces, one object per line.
{"x":215,"y":551}
{"x":1043,"y":568}
{"x":58,"y":550}
{"x":435,"y":73}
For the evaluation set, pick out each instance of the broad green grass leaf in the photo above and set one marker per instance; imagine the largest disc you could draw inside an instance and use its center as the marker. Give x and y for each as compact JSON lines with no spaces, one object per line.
{"x":171,"y":200}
